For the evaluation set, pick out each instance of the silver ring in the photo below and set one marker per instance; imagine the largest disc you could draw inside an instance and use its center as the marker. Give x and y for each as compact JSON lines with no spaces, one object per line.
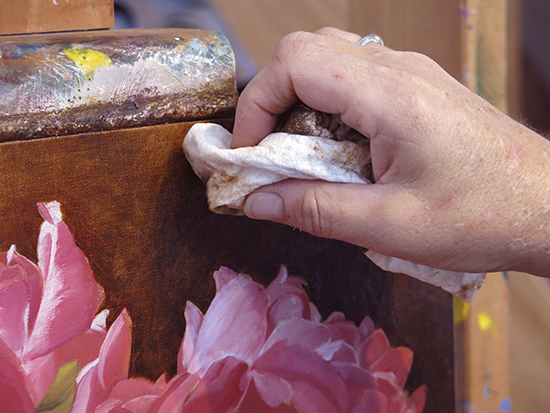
{"x":371,"y":38}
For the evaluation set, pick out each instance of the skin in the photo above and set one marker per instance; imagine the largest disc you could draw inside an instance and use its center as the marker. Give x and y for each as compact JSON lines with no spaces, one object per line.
{"x":459,"y":185}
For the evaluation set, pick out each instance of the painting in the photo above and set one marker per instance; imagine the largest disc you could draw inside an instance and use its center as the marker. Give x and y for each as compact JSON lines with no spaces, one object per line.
{"x":121,"y":292}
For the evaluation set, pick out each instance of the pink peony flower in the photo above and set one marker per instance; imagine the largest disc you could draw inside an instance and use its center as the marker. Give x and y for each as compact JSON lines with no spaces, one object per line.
{"x":266,"y":350}
{"x":47,"y":310}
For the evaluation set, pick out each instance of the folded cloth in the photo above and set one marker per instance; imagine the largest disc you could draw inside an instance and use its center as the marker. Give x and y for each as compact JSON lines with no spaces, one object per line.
{"x":232,"y":174}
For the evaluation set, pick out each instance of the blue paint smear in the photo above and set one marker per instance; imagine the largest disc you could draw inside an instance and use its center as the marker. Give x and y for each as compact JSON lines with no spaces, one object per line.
{"x":505,"y":405}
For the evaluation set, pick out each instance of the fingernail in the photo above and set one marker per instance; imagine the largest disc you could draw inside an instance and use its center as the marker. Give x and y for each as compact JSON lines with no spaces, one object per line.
{"x":265,"y":206}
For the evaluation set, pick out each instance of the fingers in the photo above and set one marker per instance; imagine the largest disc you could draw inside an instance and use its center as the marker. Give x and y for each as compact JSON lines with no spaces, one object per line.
{"x":323,"y":70}
{"x":363,"y":215}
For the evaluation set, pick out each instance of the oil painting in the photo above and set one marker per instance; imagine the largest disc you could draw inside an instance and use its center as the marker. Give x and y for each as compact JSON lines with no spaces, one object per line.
{"x":120,"y":291}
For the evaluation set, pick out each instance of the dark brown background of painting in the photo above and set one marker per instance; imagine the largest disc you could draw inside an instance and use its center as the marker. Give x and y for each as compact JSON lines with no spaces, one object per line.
{"x":140,"y":215}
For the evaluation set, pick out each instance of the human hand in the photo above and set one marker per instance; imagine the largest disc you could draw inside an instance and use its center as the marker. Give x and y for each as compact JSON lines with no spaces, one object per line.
{"x":459,"y":185}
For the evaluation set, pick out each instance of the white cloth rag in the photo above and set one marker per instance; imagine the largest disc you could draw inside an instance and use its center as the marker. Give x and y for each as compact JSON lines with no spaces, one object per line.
{"x":232,"y":174}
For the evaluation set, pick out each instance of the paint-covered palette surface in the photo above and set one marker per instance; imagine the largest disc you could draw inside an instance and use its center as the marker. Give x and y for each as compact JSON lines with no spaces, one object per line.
{"x":70,"y":83}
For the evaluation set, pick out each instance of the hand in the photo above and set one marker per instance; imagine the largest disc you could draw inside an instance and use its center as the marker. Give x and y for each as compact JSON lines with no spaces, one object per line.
{"x":459,"y":185}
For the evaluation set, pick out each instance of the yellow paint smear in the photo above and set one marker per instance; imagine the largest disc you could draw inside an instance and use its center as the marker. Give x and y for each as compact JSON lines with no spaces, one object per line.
{"x":88,"y":59}
{"x":485,"y":323}
{"x":461,"y":310}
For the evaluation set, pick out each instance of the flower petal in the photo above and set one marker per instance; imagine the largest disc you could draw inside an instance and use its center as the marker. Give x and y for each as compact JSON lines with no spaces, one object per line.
{"x":42,"y":371}
{"x":13,"y":393}
{"x":235,"y":324}
{"x":71,"y":295}
{"x":111,"y":367}
{"x":416,"y":401}
{"x":343,"y":330}
{"x":14,"y":307}
{"x":188,"y":349}
{"x":223,"y":276}
{"x":287,"y":299}
{"x":398,"y":361}
{"x":274,"y":389}
{"x":114,"y":356}
{"x":32,"y":275}
{"x":300,"y":332}
{"x":136,"y":395}
{"x":316,"y":385}
{"x":372,"y":401}
{"x":252,"y":401}
{"x":179,"y":389}
{"x":374,"y":348}
{"x":220,"y":389}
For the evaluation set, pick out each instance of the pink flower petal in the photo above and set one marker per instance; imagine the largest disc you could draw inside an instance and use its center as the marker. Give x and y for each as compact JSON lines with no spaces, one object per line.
{"x":14,"y":307}
{"x":372,"y":401}
{"x":178,"y":391}
{"x":338,"y":352}
{"x":366,"y":328}
{"x":140,"y":404}
{"x":71,"y":295}
{"x":356,"y":379}
{"x":129,"y":389}
{"x":20,"y":291}
{"x":221,"y":388}
{"x":316,"y":385}
{"x":235,"y":324}
{"x":300,"y":332}
{"x":287,"y":299}
{"x":386,"y":384}
{"x":188,"y":349}
{"x":31,"y":274}
{"x":274,"y":389}
{"x":135,"y":395}
{"x":112,"y":366}
{"x":416,"y":401}
{"x":252,"y":401}
{"x":374,"y":348}
{"x":223,"y":276}
{"x":398,"y":361}
{"x":343,"y":330}
{"x":42,"y":371}
{"x":114,"y":356}
{"x":13,"y":394}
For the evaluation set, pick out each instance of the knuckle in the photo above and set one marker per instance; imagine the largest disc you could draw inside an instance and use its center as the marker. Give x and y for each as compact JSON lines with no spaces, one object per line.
{"x":328,"y":31}
{"x":291,"y":45}
{"x":420,"y":61}
{"x":312,"y":213}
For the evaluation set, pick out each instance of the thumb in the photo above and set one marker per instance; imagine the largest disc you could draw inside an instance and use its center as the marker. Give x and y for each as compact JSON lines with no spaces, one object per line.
{"x":360,"y":214}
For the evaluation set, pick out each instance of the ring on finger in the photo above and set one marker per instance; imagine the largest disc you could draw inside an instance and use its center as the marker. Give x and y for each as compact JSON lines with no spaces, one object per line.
{"x":371,"y":38}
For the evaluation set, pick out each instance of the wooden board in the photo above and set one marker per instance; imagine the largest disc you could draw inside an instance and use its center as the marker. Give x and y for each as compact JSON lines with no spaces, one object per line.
{"x":529,"y":343}
{"x":42,"y":16}
{"x":140,"y":214}
{"x":482,"y":336}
